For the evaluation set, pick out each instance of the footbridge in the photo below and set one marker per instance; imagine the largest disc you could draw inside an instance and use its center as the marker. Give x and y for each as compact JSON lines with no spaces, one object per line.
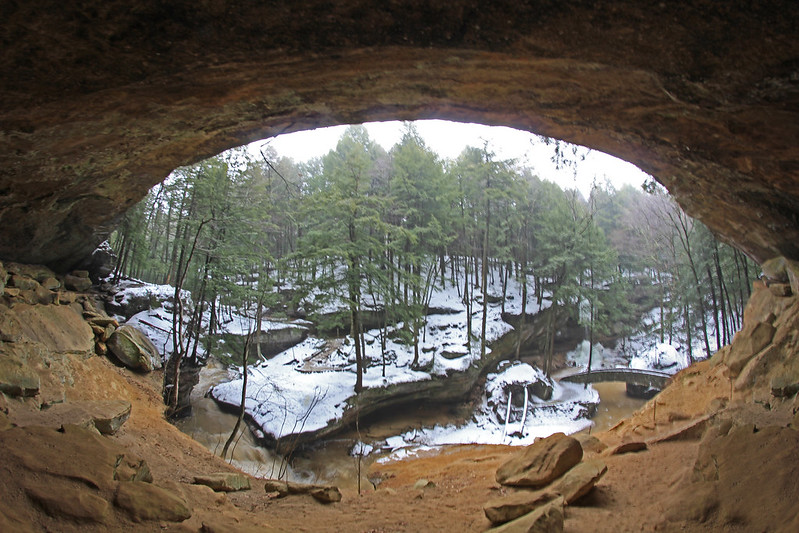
{"x":644,"y":378}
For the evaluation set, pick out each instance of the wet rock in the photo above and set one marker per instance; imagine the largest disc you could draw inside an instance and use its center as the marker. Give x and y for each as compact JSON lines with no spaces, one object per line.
{"x":224,"y":481}
{"x":542,"y":462}
{"x":79,"y":505}
{"x":546,"y":519}
{"x":145,"y":501}
{"x":133,"y":348}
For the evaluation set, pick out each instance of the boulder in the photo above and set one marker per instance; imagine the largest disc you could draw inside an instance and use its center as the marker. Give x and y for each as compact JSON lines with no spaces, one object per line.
{"x":541,"y":462}
{"x":102,"y":261}
{"x":23,"y":283}
{"x":133,"y":348}
{"x":76,"y":283}
{"x":512,"y":506}
{"x":78,"y":505}
{"x":546,"y":519}
{"x":224,"y":481}
{"x":627,"y":447}
{"x":51,"y":284}
{"x":100,"y":320}
{"x":145,"y":501}
{"x":574,"y":484}
{"x":579,"y":481}
{"x":329,"y":494}
{"x":747,"y":343}
{"x":590,"y":443}
{"x":322,"y":493}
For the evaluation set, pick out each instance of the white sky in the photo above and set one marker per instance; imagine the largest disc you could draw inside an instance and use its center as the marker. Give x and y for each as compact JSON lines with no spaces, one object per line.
{"x":448,"y":139}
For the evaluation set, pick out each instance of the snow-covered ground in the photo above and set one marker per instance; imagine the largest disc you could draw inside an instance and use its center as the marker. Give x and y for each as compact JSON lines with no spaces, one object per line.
{"x":309,"y":385}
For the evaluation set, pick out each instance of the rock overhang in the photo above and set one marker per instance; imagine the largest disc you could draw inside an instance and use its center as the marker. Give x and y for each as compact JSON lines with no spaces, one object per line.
{"x":101,"y":101}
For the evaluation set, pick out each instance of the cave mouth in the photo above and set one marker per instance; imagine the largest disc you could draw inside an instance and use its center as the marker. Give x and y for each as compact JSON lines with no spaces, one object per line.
{"x":569,"y":165}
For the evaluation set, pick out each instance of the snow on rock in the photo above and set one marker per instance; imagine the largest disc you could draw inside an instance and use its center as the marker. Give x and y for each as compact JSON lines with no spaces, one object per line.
{"x":663,"y":357}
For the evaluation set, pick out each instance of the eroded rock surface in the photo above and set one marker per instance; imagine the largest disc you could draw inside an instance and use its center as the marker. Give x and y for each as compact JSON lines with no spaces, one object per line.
{"x":701,"y":95}
{"x":541,"y":462}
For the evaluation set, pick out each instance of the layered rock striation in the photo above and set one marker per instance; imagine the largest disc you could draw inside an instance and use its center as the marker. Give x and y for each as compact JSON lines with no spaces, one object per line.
{"x":100,"y":101}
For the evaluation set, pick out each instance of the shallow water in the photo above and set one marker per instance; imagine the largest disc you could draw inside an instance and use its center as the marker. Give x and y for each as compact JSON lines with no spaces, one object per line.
{"x":614,"y":405}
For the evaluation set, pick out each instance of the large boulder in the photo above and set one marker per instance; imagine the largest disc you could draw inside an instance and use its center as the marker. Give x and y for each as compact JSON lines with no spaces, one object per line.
{"x":541,"y":462}
{"x":574,"y":484}
{"x":133,"y":349}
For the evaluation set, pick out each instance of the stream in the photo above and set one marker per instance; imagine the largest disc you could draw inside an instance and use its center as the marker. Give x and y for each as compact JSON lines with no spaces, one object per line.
{"x":331,"y":461}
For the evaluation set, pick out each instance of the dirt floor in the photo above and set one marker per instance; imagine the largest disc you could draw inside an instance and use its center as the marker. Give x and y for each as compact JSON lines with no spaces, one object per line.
{"x":643,"y":491}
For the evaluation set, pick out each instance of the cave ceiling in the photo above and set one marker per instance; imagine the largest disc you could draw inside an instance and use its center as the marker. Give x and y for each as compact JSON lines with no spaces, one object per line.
{"x":100,"y":100}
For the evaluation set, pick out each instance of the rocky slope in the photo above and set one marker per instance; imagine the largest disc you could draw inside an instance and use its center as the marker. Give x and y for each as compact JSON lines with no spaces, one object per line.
{"x":86,"y":448}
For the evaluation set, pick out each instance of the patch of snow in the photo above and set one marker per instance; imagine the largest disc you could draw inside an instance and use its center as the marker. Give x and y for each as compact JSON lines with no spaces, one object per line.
{"x":663,"y":357}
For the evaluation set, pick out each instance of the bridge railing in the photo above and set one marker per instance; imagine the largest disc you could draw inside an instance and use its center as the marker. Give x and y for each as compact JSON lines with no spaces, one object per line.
{"x":647,"y":378}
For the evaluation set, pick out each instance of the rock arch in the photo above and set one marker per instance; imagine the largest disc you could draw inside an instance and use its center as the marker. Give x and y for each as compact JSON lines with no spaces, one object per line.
{"x":98,"y":102}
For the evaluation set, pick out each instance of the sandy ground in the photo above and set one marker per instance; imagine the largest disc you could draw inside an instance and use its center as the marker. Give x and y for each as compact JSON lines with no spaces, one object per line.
{"x":635,"y":494}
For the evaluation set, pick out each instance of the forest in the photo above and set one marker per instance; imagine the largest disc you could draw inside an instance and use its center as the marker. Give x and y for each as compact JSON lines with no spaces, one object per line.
{"x":369,"y":231}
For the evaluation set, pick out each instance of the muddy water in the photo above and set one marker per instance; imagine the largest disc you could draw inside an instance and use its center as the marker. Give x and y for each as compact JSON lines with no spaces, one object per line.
{"x":331,"y":461}
{"x":614,"y":405}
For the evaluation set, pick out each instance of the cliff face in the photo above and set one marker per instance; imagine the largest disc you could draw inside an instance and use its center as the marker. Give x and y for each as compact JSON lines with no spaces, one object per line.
{"x":100,"y":101}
